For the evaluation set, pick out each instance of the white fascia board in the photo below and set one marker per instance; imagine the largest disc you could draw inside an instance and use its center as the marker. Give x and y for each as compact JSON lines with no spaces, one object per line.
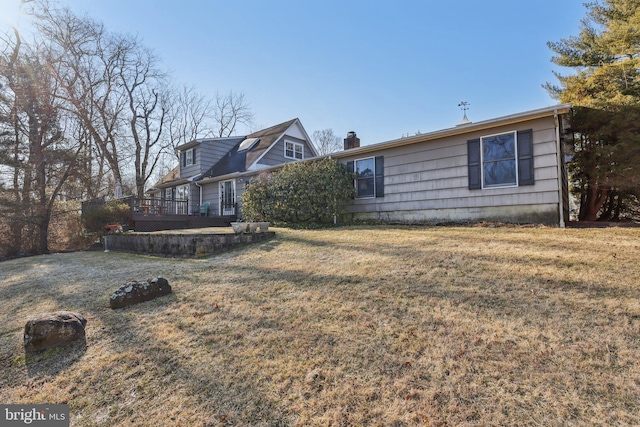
{"x":304,"y":131}
{"x":257,"y":167}
{"x":188,"y":145}
{"x":220,"y":178}
{"x":179,"y":181}
{"x":275,"y":141}
{"x":280,"y":137}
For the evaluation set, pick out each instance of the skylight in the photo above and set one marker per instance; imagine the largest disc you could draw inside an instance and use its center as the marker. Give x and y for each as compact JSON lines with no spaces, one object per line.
{"x":248,"y":143}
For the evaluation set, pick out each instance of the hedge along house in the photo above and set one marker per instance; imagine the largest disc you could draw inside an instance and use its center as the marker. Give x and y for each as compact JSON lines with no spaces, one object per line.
{"x":212,"y":173}
{"x":508,"y":169}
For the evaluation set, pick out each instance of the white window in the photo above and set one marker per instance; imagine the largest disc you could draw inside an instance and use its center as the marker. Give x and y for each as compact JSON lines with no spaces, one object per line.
{"x":293,"y":150}
{"x":182,"y":200}
{"x":183,"y":192}
{"x":190,"y":156}
{"x":501,"y":160}
{"x":368,"y":176}
{"x":499,"y":166}
{"x":365,"y":178}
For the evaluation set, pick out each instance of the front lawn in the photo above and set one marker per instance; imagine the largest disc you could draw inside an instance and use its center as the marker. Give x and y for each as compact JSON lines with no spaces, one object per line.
{"x":366,"y":326}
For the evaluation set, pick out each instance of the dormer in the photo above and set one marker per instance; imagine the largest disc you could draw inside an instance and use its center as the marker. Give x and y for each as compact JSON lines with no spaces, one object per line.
{"x":189,"y":158}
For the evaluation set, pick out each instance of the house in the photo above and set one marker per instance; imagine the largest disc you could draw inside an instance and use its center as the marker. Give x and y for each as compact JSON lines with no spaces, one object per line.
{"x":508,"y":169}
{"x":212,"y":174}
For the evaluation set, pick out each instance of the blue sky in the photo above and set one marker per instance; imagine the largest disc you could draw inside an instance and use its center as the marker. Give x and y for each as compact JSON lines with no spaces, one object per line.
{"x":382,"y":69}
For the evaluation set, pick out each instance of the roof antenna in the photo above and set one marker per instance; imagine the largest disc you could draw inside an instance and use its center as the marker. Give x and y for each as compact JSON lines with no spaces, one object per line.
{"x":465,"y":107}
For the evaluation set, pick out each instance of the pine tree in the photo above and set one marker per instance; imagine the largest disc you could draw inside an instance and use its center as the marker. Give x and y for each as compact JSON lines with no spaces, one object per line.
{"x":605,"y":91}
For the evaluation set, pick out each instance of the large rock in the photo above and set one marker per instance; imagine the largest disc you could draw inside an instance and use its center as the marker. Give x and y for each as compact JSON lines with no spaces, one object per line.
{"x":55,"y":329}
{"x":135,"y":292}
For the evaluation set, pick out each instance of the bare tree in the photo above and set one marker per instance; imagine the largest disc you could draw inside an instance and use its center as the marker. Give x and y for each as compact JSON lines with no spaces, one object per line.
{"x":230,"y":110}
{"x":128,"y":116}
{"x":85,"y":66}
{"x":114,"y":86}
{"x":326,"y":141}
{"x":142,"y":85}
{"x":32,"y":133}
{"x":190,"y":116}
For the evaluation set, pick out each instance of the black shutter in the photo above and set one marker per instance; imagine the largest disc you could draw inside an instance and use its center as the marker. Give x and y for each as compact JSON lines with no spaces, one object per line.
{"x":184,"y":159}
{"x":351,"y":169}
{"x":380,"y":176}
{"x":525,"y":157}
{"x":475,"y":171}
{"x":194,"y":156}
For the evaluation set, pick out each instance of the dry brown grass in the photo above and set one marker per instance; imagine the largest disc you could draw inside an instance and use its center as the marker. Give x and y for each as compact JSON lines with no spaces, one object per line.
{"x":371,"y":326}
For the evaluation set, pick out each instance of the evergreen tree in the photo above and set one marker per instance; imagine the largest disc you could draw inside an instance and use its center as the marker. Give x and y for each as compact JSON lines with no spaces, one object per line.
{"x":605,"y":91}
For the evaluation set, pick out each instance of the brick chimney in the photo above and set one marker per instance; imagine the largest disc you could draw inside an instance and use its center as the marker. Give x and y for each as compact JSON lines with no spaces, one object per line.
{"x":351,"y":141}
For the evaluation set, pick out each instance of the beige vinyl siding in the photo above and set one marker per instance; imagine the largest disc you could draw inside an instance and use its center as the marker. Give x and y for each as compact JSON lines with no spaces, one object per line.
{"x":430,"y":179}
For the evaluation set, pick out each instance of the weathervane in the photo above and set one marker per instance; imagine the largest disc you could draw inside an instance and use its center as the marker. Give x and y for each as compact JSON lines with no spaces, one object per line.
{"x":465,"y":107}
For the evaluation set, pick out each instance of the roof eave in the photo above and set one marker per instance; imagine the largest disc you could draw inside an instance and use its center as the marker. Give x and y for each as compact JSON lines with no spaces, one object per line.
{"x":188,"y":145}
{"x":459,"y":130}
{"x":208,"y":179}
{"x":180,"y":181}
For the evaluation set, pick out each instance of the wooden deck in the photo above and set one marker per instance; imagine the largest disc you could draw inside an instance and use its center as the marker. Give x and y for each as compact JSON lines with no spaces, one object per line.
{"x":149,"y":214}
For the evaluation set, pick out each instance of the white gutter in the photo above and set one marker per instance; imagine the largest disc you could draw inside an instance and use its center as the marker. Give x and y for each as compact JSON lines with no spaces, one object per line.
{"x":193,"y":179}
{"x":199,"y":191}
{"x":559,"y":165}
{"x":458,"y":130}
{"x":228,"y":176}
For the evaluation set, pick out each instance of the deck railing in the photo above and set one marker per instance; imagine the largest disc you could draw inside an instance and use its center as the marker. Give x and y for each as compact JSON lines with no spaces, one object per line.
{"x":152,"y":206}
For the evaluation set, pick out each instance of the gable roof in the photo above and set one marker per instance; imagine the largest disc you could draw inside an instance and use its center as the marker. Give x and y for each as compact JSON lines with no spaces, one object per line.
{"x":173,"y":175}
{"x":237,"y":160}
{"x":425,"y":137}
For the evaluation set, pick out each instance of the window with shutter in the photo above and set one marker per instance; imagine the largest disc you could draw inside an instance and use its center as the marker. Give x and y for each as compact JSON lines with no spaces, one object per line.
{"x":380,"y":176}
{"x":190,"y":157}
{"x":525,"y":157}
{"x":473,"y":162}
{"x":369,"y":180}
{"x":501,"y":160}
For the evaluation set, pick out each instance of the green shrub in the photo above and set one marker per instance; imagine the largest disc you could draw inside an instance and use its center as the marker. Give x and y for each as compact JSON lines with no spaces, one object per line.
{"x":114,"y":212}
{"x":313,"y":192}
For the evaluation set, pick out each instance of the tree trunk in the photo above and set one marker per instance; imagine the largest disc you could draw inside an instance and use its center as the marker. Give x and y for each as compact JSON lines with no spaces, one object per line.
{"x":595,"y":198}
{"x":618,"y":208}
{"x":42,"y":222}
{"x":610,"y":205}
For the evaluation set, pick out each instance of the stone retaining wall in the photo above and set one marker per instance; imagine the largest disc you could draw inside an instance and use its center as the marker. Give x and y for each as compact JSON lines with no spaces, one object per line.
{"x":180,"y":245}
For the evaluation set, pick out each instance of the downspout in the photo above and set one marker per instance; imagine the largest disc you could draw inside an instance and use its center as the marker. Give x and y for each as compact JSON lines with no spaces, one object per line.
{"x":200,"y":191}
{"x":559,"y":165}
